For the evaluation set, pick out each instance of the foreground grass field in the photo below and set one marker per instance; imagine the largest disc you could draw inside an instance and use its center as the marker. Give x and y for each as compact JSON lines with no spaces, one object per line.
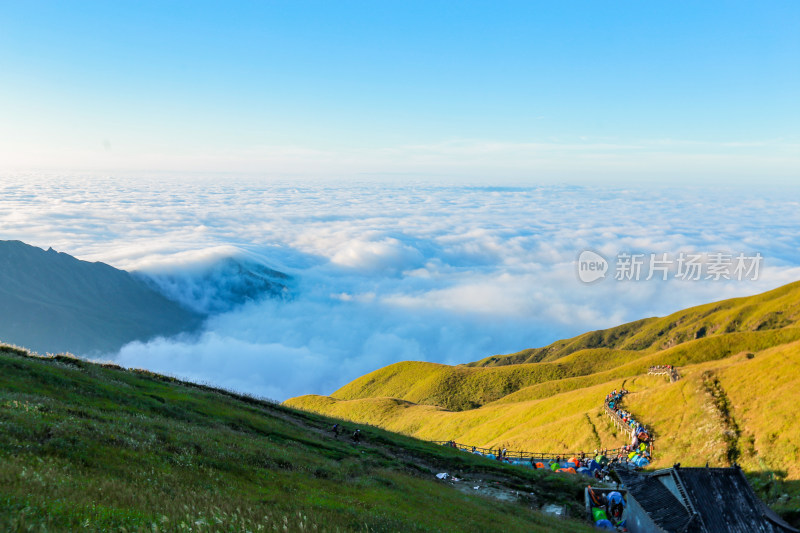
{"x":737,"y":400}
{"x":87,"y":447}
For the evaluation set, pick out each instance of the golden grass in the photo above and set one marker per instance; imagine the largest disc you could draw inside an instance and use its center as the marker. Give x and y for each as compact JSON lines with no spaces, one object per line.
{"x":736,"y":401}
{"x":459,"y":388}
{"x":762,"y":392}
{"x":774,"y":309}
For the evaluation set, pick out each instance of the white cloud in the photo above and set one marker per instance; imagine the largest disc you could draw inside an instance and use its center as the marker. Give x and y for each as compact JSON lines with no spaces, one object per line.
{"x":391,"y":272}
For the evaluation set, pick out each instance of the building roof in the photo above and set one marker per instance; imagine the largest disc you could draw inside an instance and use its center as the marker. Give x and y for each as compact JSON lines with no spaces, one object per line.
{"x":663,"y":508}
{"x":726,"y":502}
{"x":710,"y":500}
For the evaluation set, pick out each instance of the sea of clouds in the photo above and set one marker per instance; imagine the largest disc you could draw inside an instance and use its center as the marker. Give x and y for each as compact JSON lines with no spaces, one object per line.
{"x":385,"y":272}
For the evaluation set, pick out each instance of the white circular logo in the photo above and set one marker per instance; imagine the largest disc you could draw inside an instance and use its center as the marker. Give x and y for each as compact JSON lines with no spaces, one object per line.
{"x":591,"y":266}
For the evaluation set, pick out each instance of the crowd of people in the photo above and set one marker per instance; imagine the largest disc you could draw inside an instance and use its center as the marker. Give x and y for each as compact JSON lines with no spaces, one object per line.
{"x":637,"y":453}
{"x":595,"y":465}
{"x":606,"y":507}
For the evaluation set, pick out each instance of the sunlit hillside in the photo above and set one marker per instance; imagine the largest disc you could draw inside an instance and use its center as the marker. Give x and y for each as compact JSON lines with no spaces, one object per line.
{"x":771,"y":310}
{"x":736,"y":402}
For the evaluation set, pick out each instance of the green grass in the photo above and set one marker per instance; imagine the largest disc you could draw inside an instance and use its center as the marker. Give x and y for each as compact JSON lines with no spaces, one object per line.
{"x":97,"y":448}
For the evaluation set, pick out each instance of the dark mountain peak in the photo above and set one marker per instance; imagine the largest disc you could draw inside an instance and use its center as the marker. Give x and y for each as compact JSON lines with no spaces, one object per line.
{"x":53,"y":302}
{"x":222,"y":285}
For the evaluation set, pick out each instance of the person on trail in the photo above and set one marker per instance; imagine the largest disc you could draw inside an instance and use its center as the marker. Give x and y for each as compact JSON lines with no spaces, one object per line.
{"x":356,"y":436}
{"x":601,"y":459}
{"x":615,"y":507}
{"x":615,"y":497}
{"x":335,"y":430}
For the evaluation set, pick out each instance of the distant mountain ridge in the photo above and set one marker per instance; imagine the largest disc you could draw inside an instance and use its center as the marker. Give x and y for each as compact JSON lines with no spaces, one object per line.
{"x":221,"y":285}
{"x":53,"y":302}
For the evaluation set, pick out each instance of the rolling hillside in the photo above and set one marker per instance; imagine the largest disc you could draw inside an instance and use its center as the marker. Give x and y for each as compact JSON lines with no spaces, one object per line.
{"x":740,"y":362}
{"x":99,"y":448}
{"x":771,"y":310}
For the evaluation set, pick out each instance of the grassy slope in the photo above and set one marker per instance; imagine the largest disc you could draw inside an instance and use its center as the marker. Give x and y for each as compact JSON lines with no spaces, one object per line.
{"x":729,"y":407}
{"x":741,"y":408}
{"x":759,"y":396}
{"x":96,"y":448}
{"x":459,"y":388}
{"x":770,"y":310}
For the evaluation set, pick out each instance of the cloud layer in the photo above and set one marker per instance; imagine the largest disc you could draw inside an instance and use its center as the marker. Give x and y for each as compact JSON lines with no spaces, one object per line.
{"x":386,"y":272}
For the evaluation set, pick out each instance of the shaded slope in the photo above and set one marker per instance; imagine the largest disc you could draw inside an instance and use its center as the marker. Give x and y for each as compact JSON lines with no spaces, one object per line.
{"x":52,"y":302}
{"x":100,"y":449}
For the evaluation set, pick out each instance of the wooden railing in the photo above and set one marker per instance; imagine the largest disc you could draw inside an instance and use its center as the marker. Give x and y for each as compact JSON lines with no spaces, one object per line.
{"x":665,"y":371}
{"x":546,"y":456}
{"x":626,"y":427}
{"x":525,"y":455}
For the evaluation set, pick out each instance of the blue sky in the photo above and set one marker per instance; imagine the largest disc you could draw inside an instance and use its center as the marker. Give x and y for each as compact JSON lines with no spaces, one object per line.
{"x":485,"y":90}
